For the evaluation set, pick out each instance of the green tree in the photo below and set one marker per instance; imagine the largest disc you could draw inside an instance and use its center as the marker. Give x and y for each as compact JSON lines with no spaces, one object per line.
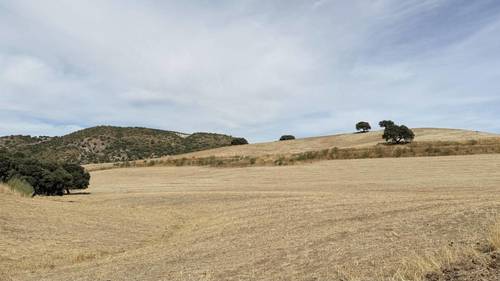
{"x":398,"y":134}
{"x":79,"y":177}
{"x":5,"y":167}
{"x":385,"y":123}
{"x":287,"y":137}
{"x":47,"y":178}
{"x":363,"y":126}
{"x":238,"y":141}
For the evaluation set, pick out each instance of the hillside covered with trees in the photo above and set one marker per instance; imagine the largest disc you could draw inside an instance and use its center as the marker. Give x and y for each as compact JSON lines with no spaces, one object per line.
{"x":110,"y":144}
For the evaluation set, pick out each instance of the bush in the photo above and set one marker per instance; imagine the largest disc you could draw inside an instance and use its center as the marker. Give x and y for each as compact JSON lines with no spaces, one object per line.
{"x":363,"y":126}
{"x":238,"y":141}
{"x":287,"y":137}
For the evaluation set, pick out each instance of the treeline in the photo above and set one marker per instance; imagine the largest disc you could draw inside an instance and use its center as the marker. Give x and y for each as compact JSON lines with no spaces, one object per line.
{"x":46,"y":178}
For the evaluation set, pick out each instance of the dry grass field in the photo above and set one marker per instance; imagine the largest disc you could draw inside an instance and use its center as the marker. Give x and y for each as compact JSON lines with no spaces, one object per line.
{"x":341,"y":141}
{"x":358,"y":218}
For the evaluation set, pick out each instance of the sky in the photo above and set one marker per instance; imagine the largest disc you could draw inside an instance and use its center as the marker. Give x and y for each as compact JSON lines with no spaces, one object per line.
{"x":257,"y":69}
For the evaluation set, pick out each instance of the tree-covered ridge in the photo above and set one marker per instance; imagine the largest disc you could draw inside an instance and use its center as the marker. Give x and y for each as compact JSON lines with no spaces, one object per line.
{"x":110,"y":144}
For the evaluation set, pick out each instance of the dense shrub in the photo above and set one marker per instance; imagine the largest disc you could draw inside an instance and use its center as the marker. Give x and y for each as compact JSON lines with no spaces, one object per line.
{"x":287,"y":137}
{"x":363,"y":126}
{"x":238,"y":141}
{"x":47,"y":178}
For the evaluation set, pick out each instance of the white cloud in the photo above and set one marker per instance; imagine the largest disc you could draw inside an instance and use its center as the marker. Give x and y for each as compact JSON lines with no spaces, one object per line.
{"x":250,"y":69}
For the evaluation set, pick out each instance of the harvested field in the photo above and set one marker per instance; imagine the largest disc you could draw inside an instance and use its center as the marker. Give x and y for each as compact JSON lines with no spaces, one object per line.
{"x":355,"y":218}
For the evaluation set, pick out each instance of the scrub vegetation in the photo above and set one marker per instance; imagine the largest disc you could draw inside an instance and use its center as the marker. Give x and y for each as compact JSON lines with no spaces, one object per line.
{"x":110,"y":144}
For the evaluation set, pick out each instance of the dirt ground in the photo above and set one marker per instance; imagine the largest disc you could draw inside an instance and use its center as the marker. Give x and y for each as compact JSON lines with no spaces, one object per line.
{"x":356,"y":218}
{"x":470,"y":269}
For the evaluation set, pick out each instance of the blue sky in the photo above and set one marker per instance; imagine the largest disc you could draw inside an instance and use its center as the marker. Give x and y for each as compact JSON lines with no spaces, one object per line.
{"x":257,"y":69}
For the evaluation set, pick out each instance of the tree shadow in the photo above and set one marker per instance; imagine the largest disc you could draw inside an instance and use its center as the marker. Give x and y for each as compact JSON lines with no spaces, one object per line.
{"x":77,"y":193}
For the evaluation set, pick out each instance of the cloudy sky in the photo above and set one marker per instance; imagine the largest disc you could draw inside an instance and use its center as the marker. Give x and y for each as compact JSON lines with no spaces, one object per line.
{"x":248,"y":68}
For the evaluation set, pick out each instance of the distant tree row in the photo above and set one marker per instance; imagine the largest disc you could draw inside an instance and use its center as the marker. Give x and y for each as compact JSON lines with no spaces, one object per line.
{"x":46,"y":178}
{"x":395,"y":134}
{"x":241,"y":141}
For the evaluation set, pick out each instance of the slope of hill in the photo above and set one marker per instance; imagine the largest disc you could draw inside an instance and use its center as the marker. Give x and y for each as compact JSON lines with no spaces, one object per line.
{"x":111,"y":144}
{"x":356,"y":140}
{"x":427,"y":142}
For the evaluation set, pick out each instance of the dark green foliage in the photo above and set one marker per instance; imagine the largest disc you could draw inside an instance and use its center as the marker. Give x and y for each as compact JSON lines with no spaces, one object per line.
{"x":287,"y":137}
{"x":385,"y":123}
{"x":398,"y":134}
{"x":363,"y":126}
{"x":5,"y":167}
{"x":239,"y":141}
{"x":47,"y":178}
{"x":112,"y":144}
{"x":79,"y":177}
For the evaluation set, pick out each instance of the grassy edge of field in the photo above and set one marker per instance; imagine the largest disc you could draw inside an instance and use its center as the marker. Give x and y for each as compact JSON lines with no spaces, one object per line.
{"x":424,"y":267}
{"x":18,"y":187}
{"x":415,"y":149}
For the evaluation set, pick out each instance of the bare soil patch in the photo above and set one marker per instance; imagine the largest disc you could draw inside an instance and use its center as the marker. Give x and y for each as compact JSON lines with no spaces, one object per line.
{"x":470,"y":269}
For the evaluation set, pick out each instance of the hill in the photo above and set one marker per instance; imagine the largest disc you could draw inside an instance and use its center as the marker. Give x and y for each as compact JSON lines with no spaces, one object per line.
{"x":427,"y":142}
{"x":111,"y":144}
{"x":352,"y":140}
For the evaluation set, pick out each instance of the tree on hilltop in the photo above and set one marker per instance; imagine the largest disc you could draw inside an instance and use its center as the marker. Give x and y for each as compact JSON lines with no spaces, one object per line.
{"x":287,"y":137}
{"x":363,"y":126}
{"x":398,"y":134}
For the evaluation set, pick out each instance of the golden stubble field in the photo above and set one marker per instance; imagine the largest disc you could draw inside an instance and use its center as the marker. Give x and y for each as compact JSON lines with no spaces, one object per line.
{"x":305,"y":222}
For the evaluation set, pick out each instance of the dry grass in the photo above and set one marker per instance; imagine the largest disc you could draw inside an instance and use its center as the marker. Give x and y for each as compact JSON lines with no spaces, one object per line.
{"x":419,"y":267}
{"x":357,"y":218}
{"x":340,"y":141}
{"x":18,"y":187}
{"x":5,"y":189}
{"x":494,"y":237}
